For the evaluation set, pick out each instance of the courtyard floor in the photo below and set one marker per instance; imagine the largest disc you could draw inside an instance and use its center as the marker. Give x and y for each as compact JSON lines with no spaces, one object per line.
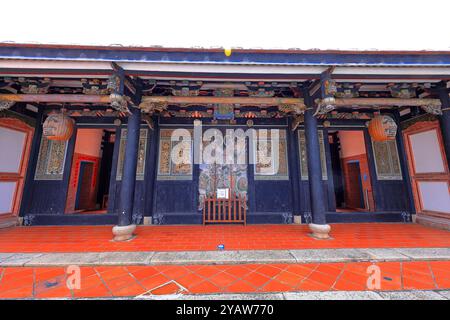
{"x":132,"y":281}
{"x":233,"y":237}
{"x":427,"y":270}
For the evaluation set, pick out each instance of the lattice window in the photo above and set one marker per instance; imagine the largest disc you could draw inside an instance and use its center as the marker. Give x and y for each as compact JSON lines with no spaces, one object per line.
{"x":387,"y":163}
{"x":167,"y":169}
{"x":303,"y":155}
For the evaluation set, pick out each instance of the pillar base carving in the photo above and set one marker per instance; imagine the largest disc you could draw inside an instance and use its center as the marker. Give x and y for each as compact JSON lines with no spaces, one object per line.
{"x":320,"y":231}
{"x":123,"y":233}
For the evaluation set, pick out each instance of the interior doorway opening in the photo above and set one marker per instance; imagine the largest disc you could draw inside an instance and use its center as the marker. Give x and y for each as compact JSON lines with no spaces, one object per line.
{"x":351,"y":176}
{"x":90,"y":172}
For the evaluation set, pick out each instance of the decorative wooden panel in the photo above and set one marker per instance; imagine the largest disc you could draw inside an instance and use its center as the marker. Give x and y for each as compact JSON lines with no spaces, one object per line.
{"x":51,"y":160}
{"x":303,"y":155}
{"x":387,"y":163}
{"x":265,"y":149}
{"x":167,"y":170}
{"x":142,"y":150}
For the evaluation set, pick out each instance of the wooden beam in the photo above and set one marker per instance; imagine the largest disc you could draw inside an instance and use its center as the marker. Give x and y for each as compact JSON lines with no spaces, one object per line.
{"x":225,"y":100}
{"x":394,"y":102}
{"x":55,"y":98}
{"x":269,"y":101}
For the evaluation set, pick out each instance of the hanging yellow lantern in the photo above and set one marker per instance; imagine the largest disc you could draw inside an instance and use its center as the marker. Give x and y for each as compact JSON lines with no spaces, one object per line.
{"x":58,"y":126}
{"x":227,"y":52}
{"x":382,"y":128}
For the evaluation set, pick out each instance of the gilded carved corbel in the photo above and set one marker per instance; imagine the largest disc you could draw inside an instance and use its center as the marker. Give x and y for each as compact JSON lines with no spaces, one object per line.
{"x":148,"y":120}
{"x":4,"y":105}
{"x":119,"y":102}
{"x":296,"y":109}
{"x":151,"y":107}
{"x":296,"y":122}
{"x":325,"y":105}
{"x":432,"y":109}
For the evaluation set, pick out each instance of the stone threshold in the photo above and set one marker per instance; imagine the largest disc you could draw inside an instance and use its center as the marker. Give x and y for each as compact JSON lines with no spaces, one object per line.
{"x":223,"y":257}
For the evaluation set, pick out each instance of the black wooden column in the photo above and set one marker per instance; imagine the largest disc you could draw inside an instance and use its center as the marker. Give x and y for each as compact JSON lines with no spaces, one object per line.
{"x":445,"y":120}
{"x":32,"y":162}
{"x":126,"y":200}
{"x":317,"y":196}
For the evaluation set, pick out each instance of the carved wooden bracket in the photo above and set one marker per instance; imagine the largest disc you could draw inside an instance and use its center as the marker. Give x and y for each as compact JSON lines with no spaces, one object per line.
{"x":325,"y":105}
{"x":297,"y":121}
{"x":432,"y":109}
{"x":152,"y":107}
{"x":119,"y":102}
{"x":4,"y":105}
{"x":295,"y":109}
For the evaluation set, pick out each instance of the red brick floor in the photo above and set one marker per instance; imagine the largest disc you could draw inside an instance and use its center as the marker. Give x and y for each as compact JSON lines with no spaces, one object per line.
{"x":130,"y":281}
{"x":252,"y":237}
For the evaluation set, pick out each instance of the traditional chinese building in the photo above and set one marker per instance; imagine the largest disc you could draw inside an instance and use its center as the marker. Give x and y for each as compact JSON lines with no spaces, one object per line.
{"x":85,"y":136}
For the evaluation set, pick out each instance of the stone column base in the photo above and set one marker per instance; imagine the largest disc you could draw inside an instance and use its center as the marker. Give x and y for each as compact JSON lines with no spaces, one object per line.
{"x":123,"y":233}
{"x":320,"y":231}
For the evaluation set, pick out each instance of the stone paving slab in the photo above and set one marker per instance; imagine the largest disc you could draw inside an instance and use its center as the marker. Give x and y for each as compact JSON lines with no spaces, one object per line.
{"x":426,"y":253}
{"x":223,"y":257}
{"x":230,"y":296}
{"x":62,"y":259}
{"x":125,"y":258}
{"x":19,"y":259}
{"x":445,"y":294}
{"x":314,"y":295}
{"x":332,"y":295}
{"x":412,"y":295}
{"x":5,"y":256}
{"x":386,"y":254}
{"x":91,"y":258}
{"x":335,"y":255}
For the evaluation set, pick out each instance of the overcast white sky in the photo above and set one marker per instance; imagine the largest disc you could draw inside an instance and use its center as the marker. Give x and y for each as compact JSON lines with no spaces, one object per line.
{"x":322,"y":24}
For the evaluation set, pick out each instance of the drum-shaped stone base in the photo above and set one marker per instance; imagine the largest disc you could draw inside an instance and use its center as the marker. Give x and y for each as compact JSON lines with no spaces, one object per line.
{"x":320,"y":231}
{"x":123,"y":233}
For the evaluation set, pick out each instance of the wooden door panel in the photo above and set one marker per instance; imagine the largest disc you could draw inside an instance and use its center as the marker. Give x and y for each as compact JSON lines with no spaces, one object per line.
{"x":428,"y":169}
{"x":15,"y":141}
